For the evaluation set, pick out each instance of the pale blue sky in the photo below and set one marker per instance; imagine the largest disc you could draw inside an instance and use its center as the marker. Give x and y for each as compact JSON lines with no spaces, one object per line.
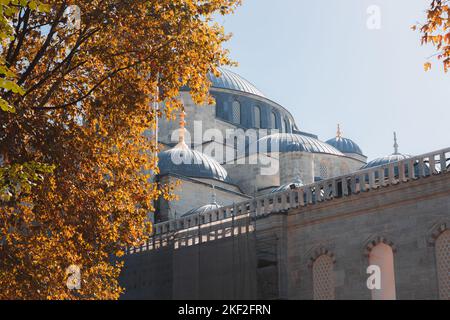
{"x":319,"y":60}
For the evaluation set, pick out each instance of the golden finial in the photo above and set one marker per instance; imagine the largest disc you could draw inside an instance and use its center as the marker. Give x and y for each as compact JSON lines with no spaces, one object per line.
{"x":182,"y":131}
{"x":182,"y":125}
{"x":339,"y":132}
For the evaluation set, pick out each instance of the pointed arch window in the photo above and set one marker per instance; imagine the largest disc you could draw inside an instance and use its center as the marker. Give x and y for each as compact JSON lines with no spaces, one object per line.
{"x":443,"y":264}
{"x":382,"y":256}
{"x":323,"y":278}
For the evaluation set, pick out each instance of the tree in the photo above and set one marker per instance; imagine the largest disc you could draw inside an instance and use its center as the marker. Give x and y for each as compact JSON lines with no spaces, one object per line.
{"x":436,"y":31}
{"x":85,"y":112}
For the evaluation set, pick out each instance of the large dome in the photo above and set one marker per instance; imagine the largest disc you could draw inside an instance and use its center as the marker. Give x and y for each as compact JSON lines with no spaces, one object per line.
{"x":290,"y":142}
{"x":345,"y":145}
{"x":191,"y":163}
{"x":232,"y":81}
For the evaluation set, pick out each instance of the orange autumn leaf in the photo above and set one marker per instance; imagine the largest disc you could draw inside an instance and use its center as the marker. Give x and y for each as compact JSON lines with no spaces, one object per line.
{"x":436,"y":31}
{"x":85,"y":111}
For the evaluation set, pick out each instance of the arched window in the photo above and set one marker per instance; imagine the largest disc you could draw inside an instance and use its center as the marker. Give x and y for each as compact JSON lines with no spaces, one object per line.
{"x":443,"y":264}
{"x":323,"y":278}
{"x":283,"y":126}
{"x":258,"y":117}
{"x":273,"y":120}
{"x":287,"y":125}
{"x":383,"y":257}
{"x":236,"y":112}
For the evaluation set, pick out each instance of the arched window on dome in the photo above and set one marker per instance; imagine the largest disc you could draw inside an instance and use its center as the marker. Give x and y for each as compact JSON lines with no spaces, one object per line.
{"x":382,"y":256}
{"x":283,"y":127}
{"x":323,"y":278}
{"x":443,"y":264}
{"x":273,"y":120}
{"x":287,"y":125}
{"x":237,"y":114}
{"x":258,"y":117}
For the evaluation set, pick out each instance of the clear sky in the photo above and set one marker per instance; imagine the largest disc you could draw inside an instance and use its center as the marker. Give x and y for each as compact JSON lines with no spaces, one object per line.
{"x":320,"y":61}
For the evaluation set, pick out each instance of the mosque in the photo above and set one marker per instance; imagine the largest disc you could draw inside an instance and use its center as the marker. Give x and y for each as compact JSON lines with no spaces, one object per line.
{"x":267,"y":211}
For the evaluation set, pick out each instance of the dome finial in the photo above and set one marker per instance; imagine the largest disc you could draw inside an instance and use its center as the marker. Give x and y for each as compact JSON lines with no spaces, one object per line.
{"x":339,"y":132}
{"x":182,"y":130}
{"x":395,"y":143}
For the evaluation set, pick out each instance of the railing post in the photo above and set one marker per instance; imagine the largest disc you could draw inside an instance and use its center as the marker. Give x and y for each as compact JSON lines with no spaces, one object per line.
{"x":309,"y":196}
{"x":362,"y":182}
{"x":344,"y":186}
{"x":382,"y":174}
{"x":372,"y":184}
{"x":402,"y":171}
{"x":443,"y":162}
{"x":301,"y":197}
{"x":284,"y":201}
{"x":259,"y":207}
{"x":412,"y":169}
{"x":292,"y":202}
{"x":421,"y":168}
{"x":432,"y":165}
{"x":266,"y":205}
{"x":353,"y":185}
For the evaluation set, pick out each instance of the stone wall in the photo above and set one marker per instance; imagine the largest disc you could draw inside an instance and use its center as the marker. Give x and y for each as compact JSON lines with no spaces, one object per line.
{"x":210,"y":258}
{"x":403,"y":216}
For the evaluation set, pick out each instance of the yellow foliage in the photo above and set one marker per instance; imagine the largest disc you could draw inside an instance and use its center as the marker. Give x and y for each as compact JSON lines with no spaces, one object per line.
{"x":85,"y":110}
{"x":436,"y":31}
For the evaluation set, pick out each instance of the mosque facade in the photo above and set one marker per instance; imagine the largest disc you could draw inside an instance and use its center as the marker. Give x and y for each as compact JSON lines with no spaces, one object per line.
{"x":268,"y":211}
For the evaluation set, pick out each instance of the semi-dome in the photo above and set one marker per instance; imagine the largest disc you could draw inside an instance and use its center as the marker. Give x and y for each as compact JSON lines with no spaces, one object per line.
{"x":345,"y":145}
{"x":290,"y":142}
{"x":232,"y":81}
{"x":203,"y":209}
{"x":191,"y":163}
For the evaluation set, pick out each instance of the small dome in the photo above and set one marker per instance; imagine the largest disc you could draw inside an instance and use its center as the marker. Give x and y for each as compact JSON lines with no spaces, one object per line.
{"x":232,"y":81}
{"x":290,"y":142}
{"x":395,"y":157}
{"x":386,"y":160}
{"x":297,"y":183}
{"x":191,"y":163}
{"x":345,"y":145}
{"x":201,"y":210}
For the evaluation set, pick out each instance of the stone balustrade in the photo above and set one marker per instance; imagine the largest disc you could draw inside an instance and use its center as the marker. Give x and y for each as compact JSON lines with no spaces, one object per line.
{"x":224,"y":222}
